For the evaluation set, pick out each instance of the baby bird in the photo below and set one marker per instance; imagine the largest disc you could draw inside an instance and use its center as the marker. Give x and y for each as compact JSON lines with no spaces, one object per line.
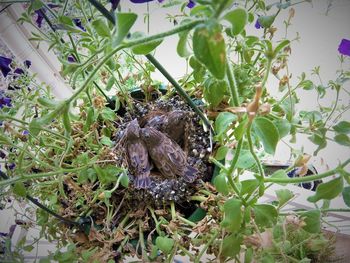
{"x":167,"y":155}
{"x":137,"y":155}
{"x":171,"y":123}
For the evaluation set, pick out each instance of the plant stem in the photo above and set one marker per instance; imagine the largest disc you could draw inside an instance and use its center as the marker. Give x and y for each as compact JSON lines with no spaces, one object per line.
{"x":235,"y":157}
{"x":27,"y":177}
{"x":308,"y":178}
{"x":232,"y":85}
{"x":251,"y":149}
{"x":211,"y":240}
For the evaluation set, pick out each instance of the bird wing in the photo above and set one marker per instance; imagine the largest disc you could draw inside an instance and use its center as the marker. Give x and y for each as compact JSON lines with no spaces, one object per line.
{"x":138,"y":156}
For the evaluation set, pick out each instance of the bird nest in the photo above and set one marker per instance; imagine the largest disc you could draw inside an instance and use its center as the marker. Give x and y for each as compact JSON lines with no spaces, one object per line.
{"x":185,"y":134}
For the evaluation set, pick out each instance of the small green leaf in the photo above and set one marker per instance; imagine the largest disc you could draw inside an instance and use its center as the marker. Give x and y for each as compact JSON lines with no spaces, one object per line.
{"x":245,"y":159}
{"x":210,"y":49}
{"x":221,"y":153}
{"x":249,"y":186}
{"x":346,"y":195}
{"x":231,"y":245}
{"x":342,"y":139}
{"x":124,"y":21}
{"x":181,"y":48}
{"x":240,"y":129}
{"x":89,"y":119}
{"x":267,"y":133}
{"x":220,"y":183}
{"x":66,"y":120}
{"x":281,"y":45}
{"x":283,"y":126}
{"x":266,"y":21}
{"x":265,"y":215}
{"x":198,"y":69}
{"x":19,"y":189}
{"x":238,"y":19}
{"x":144,"y":49}
{"x":106,"y":141}
{"x":284,"y":195}
{"x":108,"y":114}
{"x":101,"y":28}
{"x":223,"y":121}
{"x":342,"y":127}
{"x":124,"y":180}
{"x":165,"y":244}
{"x":214,"y":91}
{"x":327,"y":190}
{"x":312,"y":220}
{"x":48,"y":103}
{"x":233,"y":215}
{"x":280,"y":174}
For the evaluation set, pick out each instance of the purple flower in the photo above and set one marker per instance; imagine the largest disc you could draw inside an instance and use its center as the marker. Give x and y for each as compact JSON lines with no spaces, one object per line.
{"x":19,"y":71}
{"x":344,"y":47}
{"x":5,"y":101}
{"x":27,"y":63}
{"x":71,"y":59}
{"x":40,"y":14}
{"x":39,"y":17}
{"x":5,"y":65}
{"x":191,"y":4}
{"x":25,"y":132}
{"x":2,"y":155}
{"x":77,"y":22}
{"x":257,"y":24}
{"x":11,"y":166}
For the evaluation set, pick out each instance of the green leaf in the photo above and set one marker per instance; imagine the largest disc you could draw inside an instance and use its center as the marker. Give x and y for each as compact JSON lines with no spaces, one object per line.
{"x":48,"y":103}
{"x":66,"y":120}
{"x":342,"y":139}
{"x":267,"y":133}
{"x":249,"y":255}
{"x":19,"y":189}
{"x":233,"y":215}
{"x":89,"y":119}
{"x":106,"y":141}
{"x":283,"y":126}
{"x":284,"y":195}
{"x":107,"y":174}
{"x":214,"y":91}
{"x":197,"y":215}
{"x":312,"y":220}
{"x":281,"y":45}
{"x":124,"y":180}
{"x":101,"y":28}
{"x":240,"y":129}
{"x":245,"y":159}
{"x":223,"y":121}
{"x":181,"y":48}
{"x":221,"y":153}
{"x":346,"y":195}
{"x":327,"y":190}
{"x":210,"y":49}
{"x":280,"y":174}
{"x":249,"y":186}
{"x":165,"y":244}
{"x":144,"y":49}
{"x":238,"y":19}
{"x":265,"y":215}
{"x":37,"y":124}
{"x":108,"y":114}
{"x":266,"y":21}
{"x":198,"y":69}
{"x":220,"y":183}
{"x":342,"y":127}
{"x":37,"y":4}
{"x":124,"y":21}
{"x":231,"y":245}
